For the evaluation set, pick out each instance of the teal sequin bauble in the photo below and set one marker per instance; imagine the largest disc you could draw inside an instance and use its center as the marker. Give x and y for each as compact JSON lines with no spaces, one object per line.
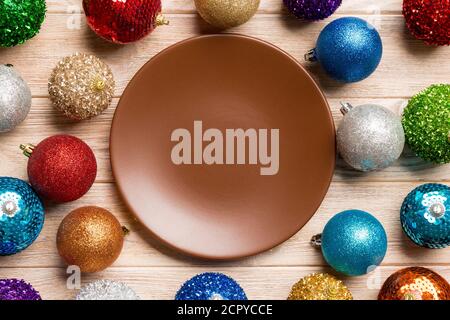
{"x":425,"y":215}
{"x":354,"y":242}
{"x":20,"y":20}
{"x":21,"y":215}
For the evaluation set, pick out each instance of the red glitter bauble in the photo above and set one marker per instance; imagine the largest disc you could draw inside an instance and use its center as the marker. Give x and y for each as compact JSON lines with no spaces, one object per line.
{"x":428,"y":20}
{"x":61,"y":168}
{"x":123,"y":21}
{"x":415,"y":283}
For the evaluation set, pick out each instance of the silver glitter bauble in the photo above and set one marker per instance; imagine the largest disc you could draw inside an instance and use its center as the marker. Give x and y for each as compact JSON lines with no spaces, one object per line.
{"x":81,"y":86}
{"x":107,"y":290}
{"x":15,"y":98}
{"x":370,"y":137}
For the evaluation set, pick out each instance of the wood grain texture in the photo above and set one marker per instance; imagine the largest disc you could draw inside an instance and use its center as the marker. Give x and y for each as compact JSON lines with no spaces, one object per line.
{"x":163,"y":283}
{"x":155,"y":271}
{"x":404,"y":70}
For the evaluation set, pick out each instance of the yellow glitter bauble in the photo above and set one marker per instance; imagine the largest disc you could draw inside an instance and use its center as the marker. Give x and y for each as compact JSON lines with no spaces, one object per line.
{"x":81,"y":86}
{"x":320,"y":286}
{"x":225,"y":14}
{"x":90,"y":238}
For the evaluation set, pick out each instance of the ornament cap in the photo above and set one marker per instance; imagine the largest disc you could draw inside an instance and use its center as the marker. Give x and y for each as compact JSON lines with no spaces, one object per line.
{"x":311,"y":55}
{"x":437,"y":210}
{"x":126,"y":231}
{"x":316,"y":240}
{"x":345,"y":107}
{"x":161,"y":20}
{"x":27,"y":149}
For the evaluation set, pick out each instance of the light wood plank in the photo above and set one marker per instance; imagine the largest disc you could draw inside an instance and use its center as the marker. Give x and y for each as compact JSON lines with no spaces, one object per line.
{"x":404,"y":71}
{"x":266,"y":6}
{"x":381,"y":199}
{"x":44,"y":121}
{"x":163,"y":283}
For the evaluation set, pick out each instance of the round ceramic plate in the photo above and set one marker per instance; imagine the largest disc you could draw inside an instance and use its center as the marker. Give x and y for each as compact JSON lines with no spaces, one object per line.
{"x":223,"y":146}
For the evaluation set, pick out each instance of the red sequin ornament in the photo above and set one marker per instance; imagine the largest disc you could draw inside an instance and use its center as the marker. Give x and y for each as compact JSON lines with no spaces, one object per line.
{"x":415,"y":283}
{"x":61,"y":168}
{"x":123,"y":21}
{"x":428,"y":20}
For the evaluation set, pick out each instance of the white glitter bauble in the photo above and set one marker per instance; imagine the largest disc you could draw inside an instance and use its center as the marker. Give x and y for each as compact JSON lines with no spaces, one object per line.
{"x":370,"y":137}
{"x":107,"y":290}
{"x":15,"y":98}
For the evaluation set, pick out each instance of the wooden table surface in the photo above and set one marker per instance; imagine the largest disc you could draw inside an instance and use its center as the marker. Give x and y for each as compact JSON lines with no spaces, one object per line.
{"x":156,"y":272}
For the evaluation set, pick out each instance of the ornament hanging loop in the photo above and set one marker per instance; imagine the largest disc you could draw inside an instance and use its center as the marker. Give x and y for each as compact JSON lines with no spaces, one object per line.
{"x":316,"y":241}
{"x":345,"y":108}
{"x":161,"y":20}
{"x":27,"y":149}
{"x":311,"y":55}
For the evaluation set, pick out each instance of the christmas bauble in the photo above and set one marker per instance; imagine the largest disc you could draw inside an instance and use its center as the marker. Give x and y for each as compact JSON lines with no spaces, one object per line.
{"x":425,"y":215}
{"x":320,"y":286}
{"x":426,"y":124}
{"x":349,"y":49}
{"x":90,"y":238}
{"x":211,"y":286}
{"x":61,"y":168}
{"x":415,"y":283}
{"x":81,"y":86}
{"x":107,"y":290}
{"x":123,"y":21}
{"x":370,"y":137}
{"x":224,"y":14}
{"x":15,"y":98}
{"x":20,"y":20}
{"x":353,"y":242}
{"x":312,"y":9}
{"x":428,"y":20}
{"x":15,"y":289}
{"x":21,"y":215}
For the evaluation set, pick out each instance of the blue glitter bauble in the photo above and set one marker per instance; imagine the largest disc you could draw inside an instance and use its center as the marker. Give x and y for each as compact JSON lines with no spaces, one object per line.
{"x":211,"y":286}
{"x":354,"y":242}
{"x":349,"y":49}
{"x":312,"y":9}
{"x":21,"y":215}
{"x":425,"y":215}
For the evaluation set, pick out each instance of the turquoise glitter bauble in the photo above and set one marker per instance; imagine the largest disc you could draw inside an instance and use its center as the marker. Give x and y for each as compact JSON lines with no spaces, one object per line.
{"x":21,"y":215}
{"x":354,"y":242}
{"x":211,"y":286}
{"x":425,"y":215}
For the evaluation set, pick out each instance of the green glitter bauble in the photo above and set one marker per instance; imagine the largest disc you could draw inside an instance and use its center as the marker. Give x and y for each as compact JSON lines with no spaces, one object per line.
{"x":426,"y":121}
{"x":20,"y":20}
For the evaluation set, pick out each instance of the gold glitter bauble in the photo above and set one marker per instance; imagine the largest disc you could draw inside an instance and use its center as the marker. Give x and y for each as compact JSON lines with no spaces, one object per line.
{"x":225,"y":14}
{"x":320,"y":286}
{"x":415,"y":283}
{"x":91,"y":238}
{"x":81,"y":86}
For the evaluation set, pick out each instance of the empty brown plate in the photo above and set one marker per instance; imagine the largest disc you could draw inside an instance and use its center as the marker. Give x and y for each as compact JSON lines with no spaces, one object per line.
{"x":195,"y":180}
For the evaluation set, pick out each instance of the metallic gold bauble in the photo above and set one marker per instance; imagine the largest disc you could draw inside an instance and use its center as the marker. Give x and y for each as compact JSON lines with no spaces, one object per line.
{"x":91,"y":238}
{"x":415,"y":283}
{"x":226,"y":14}
{"x":81,"y":86}
{"x":320,"y":286}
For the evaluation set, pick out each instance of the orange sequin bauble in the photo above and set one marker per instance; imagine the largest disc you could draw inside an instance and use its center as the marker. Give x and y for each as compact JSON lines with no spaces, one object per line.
{"x":415,"y":283}
{"x":90,"y":238}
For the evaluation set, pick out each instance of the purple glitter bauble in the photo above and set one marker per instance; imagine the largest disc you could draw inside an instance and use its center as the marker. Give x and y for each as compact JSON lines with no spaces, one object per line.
{"x":15,"y":289}
{"x":312,"y":9}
